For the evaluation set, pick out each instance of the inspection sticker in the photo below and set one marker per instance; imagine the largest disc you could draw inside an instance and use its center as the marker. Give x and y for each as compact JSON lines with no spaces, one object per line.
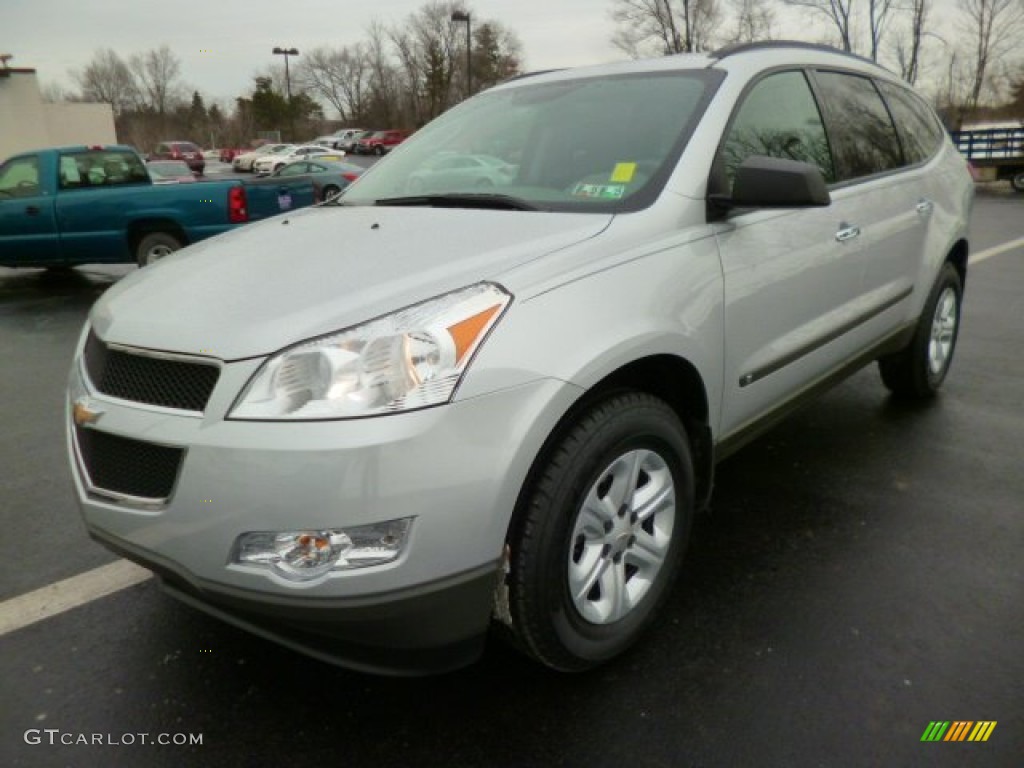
{"x":623,"y":173}
{"x":600,"y":191}
{"x":284,"y":201}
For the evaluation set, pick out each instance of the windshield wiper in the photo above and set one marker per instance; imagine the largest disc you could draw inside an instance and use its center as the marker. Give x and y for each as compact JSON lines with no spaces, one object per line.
{"x":489,"y":200}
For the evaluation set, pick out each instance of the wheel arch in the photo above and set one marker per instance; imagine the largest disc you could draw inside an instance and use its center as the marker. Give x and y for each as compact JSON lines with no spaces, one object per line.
{"x":140,"y":228}
{"x":957,"y":256}
{"x":671,"y":378}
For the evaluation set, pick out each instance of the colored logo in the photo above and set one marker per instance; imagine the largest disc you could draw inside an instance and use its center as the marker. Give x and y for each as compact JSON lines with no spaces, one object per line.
{"x":958,"y":730}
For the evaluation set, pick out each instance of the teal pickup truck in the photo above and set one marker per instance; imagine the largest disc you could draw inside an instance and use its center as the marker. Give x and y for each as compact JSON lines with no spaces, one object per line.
{"x":97,"y":204}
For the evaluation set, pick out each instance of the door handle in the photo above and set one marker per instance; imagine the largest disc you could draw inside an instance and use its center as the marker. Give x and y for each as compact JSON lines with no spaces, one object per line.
{"x":32,"y":210}
{"x":924,"y":206}
{"x":847,"y":232}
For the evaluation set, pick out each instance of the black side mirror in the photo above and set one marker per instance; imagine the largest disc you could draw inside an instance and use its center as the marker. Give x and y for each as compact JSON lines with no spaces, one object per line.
{"x":773,"y":182}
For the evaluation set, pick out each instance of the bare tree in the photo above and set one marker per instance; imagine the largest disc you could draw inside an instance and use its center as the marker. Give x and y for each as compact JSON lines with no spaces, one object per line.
{"x":839,"y":12}
{"x":663,"y":26}
{"x":157,"y":73}
{"x":993,"y":27}
{"x":338,"y":76}
{"x":908,"y":48}
{"x":879,"y":16}
{"x":107,"y":78}
{"x":428,"y":46}
{"x":755,"y":20}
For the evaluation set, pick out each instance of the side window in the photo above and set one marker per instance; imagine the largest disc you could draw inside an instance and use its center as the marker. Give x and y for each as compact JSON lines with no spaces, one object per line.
{"x":94,"y":169}
{"x":778,"y":118}
{"x":864,"y":141}
{"x":919,"y":130}
{"x":20,"y":177}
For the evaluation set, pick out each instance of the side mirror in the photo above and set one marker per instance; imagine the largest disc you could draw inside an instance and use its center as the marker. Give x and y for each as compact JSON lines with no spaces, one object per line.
{"x":773,"y":182}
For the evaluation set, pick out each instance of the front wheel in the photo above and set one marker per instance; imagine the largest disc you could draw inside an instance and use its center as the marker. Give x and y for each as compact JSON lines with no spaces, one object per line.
{"x":602,"y":532}
{"x":155,"y":246}
{"x":379,"y":150}
{"x":1017,"y":181}
{"x":919,"y":369}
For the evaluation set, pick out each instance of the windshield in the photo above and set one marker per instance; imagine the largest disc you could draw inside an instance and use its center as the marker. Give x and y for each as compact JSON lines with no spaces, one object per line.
{"x":599,"y":143}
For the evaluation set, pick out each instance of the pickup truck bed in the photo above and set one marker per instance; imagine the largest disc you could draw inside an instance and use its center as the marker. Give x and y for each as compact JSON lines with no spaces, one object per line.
{"x":995,"y":153}
{"x":87,"y":205}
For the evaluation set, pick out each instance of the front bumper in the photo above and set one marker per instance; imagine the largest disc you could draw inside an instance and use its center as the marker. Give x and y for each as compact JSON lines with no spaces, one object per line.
{"x":456,"y":469}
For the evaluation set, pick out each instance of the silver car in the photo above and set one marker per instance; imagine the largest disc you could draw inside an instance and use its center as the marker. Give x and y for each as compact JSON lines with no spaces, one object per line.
{"x":373,"y":428}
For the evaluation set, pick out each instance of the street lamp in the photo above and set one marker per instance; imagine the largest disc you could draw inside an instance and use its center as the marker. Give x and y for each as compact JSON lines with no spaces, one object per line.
{"x":464,"y":16}
{"x":286,"y":52}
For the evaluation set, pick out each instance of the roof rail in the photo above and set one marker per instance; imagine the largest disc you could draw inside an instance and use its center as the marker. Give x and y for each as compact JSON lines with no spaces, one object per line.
{"x":537,"y":73}
{"x":735,"y":48}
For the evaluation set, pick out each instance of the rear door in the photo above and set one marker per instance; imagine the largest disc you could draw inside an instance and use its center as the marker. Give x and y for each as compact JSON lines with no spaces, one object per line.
{"x":893,"y":205}
{"x":28,"y":228}
{"x":792,"y":277}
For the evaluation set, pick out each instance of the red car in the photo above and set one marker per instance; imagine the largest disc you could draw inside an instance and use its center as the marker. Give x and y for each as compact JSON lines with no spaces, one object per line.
{"x":180,"y":150}
{"x":379,"y":142}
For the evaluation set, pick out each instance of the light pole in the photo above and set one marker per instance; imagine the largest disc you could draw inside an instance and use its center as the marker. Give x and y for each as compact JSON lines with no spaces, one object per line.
{"x":464,"y":16}
{"x":286,"y":52}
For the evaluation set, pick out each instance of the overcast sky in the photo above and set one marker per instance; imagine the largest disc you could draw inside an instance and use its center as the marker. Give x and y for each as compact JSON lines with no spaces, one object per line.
{"x":222,"y":43}
{"x":53,"y":36}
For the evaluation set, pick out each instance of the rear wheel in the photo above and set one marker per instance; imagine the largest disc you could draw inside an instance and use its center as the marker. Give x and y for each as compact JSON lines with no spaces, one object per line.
{"x":602,"y":533}
{"x":918,"y":370}
{"x":1017,"y":181}
{"x":331,"y":192}
{"x":379,"y":149}
{"x":155,"y":246}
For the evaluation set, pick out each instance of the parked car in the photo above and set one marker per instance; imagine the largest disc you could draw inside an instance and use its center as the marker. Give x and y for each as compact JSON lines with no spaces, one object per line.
{"x":458,"y":171}
{"x":349,"y":144}
{"x":228,"y":154}
{"x":410,"y":416}
{"x":380,"y":142}
{"x":339,"y":138}
{"x":170,"y":172}
{"x":97,"y":204}
{"x":245,"y":160}
{"x":329,"y":177}
{"x":274,"y":160}
{"x":180,"y":150}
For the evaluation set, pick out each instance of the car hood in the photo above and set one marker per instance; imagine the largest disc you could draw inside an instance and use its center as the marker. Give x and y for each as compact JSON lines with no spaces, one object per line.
{"x":270,"y":284}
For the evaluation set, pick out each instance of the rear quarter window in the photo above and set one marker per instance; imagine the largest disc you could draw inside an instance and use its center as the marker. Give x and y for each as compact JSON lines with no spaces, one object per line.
{"x":918,"y":127}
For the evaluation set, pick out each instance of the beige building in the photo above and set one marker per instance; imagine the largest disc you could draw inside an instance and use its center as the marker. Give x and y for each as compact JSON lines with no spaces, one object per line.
{"x":27,"y":122}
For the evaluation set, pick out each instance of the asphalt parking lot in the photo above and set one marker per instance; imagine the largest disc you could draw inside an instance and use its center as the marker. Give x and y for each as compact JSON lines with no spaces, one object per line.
{"x":859,"y":577}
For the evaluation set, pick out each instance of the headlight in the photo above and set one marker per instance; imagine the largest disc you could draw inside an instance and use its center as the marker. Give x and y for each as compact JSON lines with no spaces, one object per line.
{"x":409,"y":359}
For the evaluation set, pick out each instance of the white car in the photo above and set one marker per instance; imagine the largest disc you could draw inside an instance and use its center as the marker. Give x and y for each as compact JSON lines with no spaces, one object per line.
{"x":340,"y":139}
{"x":271,"y":162}
{"x":244,"y":161}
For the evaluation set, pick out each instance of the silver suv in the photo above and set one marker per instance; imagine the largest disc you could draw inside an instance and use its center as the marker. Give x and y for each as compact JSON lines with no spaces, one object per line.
{"x":370,"y":429}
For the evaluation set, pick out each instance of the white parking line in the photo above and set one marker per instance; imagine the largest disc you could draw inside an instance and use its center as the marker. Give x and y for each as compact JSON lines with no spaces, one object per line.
{"x":23,"y":610}
{"x":988,"y":253}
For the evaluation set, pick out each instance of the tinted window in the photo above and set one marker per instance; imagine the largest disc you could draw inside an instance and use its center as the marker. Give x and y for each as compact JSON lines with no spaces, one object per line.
{"x":778,"y":118}
{"x":863,"y":137}
{"x":20,"y":178}
{"x":919,"y":131}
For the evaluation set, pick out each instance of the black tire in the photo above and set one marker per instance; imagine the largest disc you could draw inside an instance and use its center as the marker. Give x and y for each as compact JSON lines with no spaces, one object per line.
{"x":330,"y":192}
{"x":379,"y":149}
{"x":155,"y":246}
{"x":547,"y":540}
{"x":1017,"y":181}
{"x":918,"y":370}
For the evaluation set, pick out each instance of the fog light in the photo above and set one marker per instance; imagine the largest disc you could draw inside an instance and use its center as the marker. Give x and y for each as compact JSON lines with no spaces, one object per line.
{"x":306,"y":555}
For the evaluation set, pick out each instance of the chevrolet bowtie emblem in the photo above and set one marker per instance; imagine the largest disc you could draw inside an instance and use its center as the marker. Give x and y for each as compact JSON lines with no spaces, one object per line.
{"x":83,"y":414}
